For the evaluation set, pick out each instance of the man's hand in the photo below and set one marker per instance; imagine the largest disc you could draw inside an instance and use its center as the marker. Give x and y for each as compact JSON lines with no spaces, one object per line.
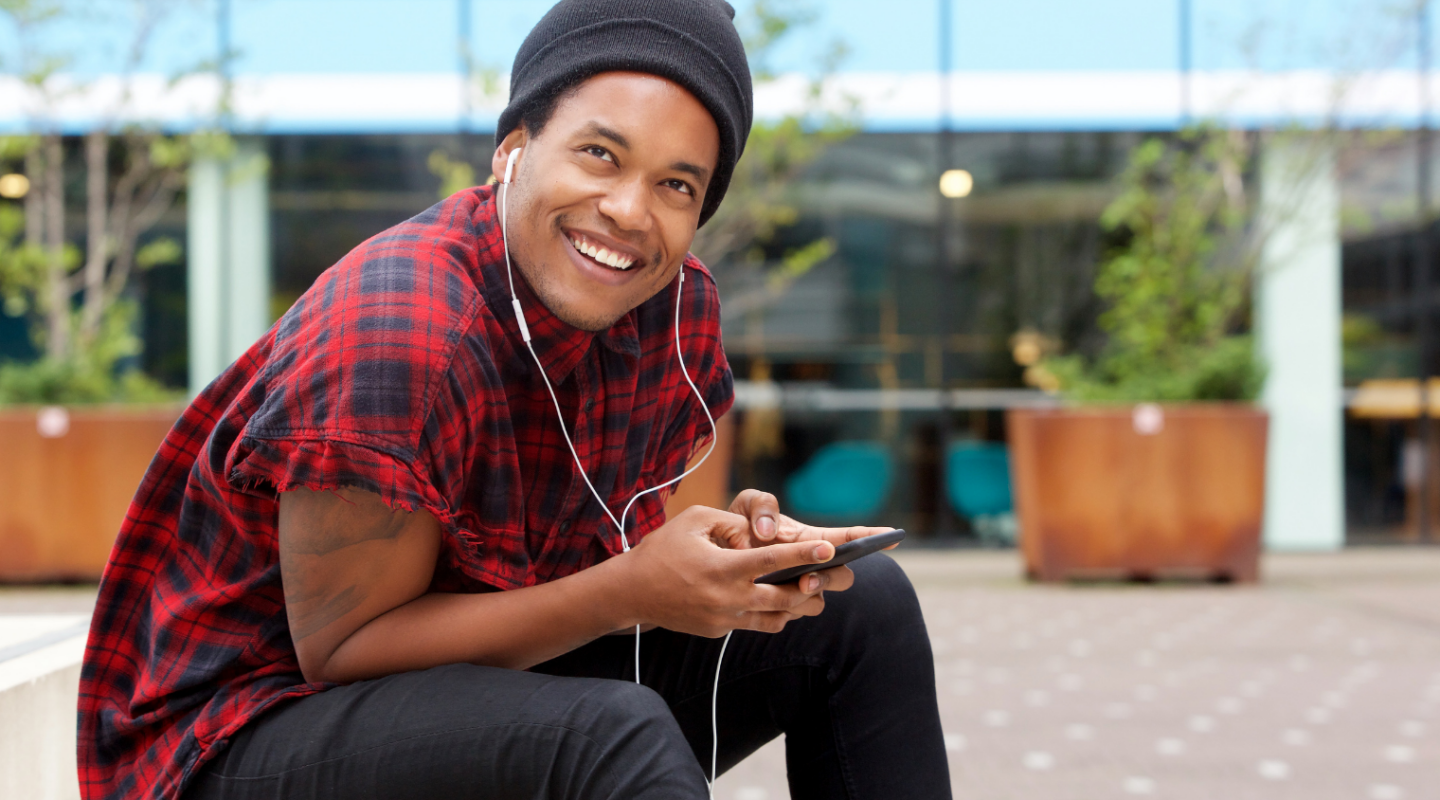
{"x":690,"y":576}
{"x":768,"y":526}
{"x":356,"y":576}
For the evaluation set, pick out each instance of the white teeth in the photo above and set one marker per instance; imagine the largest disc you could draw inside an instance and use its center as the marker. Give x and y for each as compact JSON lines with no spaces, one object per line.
{"x":603,"y":255}
{"x":617,"y":261}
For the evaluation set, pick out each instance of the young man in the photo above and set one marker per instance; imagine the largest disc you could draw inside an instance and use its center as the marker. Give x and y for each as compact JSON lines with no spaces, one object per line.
{"x":365,"y":565}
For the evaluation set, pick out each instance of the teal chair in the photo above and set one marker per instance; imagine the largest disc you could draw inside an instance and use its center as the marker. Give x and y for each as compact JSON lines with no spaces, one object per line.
{"x":977,"y":480}
{"x":843,"y":482}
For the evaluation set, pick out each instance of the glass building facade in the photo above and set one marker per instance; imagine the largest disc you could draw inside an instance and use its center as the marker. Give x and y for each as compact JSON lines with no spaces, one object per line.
{"x":903,"y":339}
{"x":922,"y":292}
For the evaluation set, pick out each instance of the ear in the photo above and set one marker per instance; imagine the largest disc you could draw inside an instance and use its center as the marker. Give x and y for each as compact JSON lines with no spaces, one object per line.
{"x":514,"y":139}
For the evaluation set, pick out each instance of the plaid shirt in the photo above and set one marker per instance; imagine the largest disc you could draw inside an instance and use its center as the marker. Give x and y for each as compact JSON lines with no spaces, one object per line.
{"x":400,"y":372}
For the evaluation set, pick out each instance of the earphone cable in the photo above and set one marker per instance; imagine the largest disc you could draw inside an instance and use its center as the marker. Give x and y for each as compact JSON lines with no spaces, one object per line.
{"x":560,"y":414}
{"x":715,"y":716}
{"x":580,"y":467}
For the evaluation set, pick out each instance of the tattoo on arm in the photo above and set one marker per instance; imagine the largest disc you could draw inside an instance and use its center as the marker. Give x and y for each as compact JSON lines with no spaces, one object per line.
{"x":332,"y":608}
{"x":317,"y":531}
{"x":324,"y":533}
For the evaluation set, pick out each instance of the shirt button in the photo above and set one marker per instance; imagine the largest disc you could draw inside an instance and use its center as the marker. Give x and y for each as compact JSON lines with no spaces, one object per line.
{"x":589,"y":404}
{"x":565,"y":526}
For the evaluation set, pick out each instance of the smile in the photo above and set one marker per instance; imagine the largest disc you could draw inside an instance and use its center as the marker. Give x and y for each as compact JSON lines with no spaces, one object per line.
{"x":601,"y":254}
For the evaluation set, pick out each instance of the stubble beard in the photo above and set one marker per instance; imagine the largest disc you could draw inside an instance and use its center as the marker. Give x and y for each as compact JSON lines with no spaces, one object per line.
{"x":549,"y":295}
{"x":539,"y":277}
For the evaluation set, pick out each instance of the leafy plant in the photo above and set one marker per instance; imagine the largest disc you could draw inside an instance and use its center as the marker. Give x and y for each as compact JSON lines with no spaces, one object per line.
{"x":454,"y":175}
{"x":760,"y":201}
{"x":77,"y":301}
{"x":1176,"y":286}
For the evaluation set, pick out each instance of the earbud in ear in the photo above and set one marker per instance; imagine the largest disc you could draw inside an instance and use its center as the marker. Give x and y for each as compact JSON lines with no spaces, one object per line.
{"x":510,"y":164}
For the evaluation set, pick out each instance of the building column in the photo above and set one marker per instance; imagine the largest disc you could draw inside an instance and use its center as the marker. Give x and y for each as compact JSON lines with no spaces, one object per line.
{"x":1298,"y":325}
{"x":228,"y":265}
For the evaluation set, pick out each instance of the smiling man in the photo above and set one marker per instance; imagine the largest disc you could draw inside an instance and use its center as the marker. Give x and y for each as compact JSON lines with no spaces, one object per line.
{"x":365,"y":564}
{"x":614,"y":191}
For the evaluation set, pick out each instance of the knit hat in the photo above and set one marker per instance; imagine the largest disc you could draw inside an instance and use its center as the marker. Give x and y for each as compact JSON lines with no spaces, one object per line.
{"x":691,"y":42}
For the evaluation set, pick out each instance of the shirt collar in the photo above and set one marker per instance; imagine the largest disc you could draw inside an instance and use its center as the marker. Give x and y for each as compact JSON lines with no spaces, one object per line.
{"x":559,"y":346}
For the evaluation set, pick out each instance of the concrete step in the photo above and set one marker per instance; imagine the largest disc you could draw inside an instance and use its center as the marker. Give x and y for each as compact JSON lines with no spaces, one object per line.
{"x":39,"y":684}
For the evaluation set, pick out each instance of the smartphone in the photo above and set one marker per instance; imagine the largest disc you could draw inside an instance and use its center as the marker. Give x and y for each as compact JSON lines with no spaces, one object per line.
{"x":844,"y":554}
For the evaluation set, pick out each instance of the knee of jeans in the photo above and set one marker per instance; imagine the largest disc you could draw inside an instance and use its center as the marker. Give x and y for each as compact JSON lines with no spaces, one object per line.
{"x":621,"y":705}
{"x":638,"y":747}
{"x":884,"y":600}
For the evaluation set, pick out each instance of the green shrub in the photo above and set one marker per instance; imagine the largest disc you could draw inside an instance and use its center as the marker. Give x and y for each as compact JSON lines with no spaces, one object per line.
{"x":1176,"y":286}
{"x":92,"y":375}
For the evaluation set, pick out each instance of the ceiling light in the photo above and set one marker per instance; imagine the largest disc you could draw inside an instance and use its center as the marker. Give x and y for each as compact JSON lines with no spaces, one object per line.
{"x":956,"y":183}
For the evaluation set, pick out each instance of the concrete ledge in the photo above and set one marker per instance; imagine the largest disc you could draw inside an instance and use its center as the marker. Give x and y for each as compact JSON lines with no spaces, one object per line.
{"x":39,"y":684}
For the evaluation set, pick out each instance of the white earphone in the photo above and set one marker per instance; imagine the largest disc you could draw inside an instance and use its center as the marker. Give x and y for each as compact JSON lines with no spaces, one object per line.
{"x":510,"y":164}
{"x":619,"y":523}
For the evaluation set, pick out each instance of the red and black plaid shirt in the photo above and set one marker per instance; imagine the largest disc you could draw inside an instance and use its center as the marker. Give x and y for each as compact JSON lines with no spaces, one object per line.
{"x":400,"y":372}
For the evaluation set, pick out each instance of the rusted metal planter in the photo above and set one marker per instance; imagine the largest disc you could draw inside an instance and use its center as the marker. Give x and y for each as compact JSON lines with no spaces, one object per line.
{"x":67,"y":476}
{"x":1140,"y":492}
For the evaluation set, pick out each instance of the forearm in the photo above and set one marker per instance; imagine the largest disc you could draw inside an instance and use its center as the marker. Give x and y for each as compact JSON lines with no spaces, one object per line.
{"x":356,"y":573}
{"x":515,"y":629}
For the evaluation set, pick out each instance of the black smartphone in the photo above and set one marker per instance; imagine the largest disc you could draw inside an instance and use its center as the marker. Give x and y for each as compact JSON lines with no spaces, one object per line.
{"x":844,"y":554}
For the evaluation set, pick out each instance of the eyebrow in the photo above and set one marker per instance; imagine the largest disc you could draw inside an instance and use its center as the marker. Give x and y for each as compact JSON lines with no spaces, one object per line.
{"x":700,"y":173}
{"x":596,"y":129}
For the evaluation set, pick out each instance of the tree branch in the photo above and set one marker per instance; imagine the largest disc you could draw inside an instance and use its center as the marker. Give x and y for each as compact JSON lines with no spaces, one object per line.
{"x":97,"y":169}
{"x":57,"y":340}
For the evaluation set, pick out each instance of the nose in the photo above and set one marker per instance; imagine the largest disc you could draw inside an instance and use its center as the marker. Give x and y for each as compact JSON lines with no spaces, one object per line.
{"x":627,"y":204}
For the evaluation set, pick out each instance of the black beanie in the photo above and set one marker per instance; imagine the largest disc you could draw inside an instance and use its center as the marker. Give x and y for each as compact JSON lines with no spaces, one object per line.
{"x":691,"y":42}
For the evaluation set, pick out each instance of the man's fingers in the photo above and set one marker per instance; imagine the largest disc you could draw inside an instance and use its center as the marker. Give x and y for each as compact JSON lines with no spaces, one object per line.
{"x":835,"y":579}
{"x":763,"y":511}
{"x":852,"y":533}
{"x":728,"y":530}
{"x":775,"y":621}
{"x":781,"y":598}
{"x":798,"y":531}
{"x":812,"y":606}
{"x":765,"y":621}
{"x":763,"y":560}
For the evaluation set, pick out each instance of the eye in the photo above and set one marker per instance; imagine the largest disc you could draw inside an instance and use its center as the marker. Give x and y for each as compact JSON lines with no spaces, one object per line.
{"x":679,"y":186}
{"x":599,"y":152}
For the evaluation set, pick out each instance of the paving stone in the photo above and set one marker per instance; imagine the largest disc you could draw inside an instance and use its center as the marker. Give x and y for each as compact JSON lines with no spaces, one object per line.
{"x":1321,"y":683}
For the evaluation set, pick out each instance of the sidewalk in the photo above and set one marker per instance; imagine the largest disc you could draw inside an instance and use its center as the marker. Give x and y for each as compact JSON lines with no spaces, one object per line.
{"x":1321,"y":683}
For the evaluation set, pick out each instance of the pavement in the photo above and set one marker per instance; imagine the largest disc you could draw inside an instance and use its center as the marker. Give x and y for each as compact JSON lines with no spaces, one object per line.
{"x":1321,"y":682}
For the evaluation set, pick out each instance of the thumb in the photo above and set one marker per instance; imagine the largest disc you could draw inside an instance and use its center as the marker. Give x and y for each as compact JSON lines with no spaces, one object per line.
{"x":764,"y":560}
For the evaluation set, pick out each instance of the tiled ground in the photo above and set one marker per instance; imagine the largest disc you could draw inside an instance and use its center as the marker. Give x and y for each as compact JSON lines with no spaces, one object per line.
{"x":1321,"y":683}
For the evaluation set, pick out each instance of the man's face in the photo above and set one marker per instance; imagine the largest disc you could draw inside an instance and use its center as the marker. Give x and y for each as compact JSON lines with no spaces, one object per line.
{"x":605,"y":201}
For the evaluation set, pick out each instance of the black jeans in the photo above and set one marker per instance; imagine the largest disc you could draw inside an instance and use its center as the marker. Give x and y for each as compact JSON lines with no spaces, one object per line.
{"x":853,"y":690}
